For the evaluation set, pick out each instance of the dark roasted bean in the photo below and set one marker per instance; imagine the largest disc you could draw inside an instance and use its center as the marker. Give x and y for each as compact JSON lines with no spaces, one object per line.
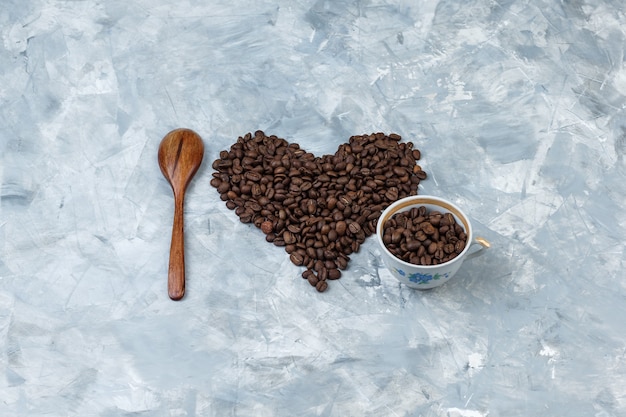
{"x":334,"y":274}
{"x":321,"y":286}
{"x":312,"y":278}
{"x":354,"y":228}
{"x":340,"y":228}
{"x":297,"y":258}
{"x":289,"y":237}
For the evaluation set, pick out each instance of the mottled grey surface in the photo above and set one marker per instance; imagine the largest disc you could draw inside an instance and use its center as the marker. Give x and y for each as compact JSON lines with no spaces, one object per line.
{"x":518,"y":106}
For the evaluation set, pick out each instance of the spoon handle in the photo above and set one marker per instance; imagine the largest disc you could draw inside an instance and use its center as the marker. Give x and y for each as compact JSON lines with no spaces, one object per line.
{"x":176,"y":271}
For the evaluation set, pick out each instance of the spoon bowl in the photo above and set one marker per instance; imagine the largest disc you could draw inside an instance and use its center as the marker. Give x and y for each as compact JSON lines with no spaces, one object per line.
{"x":180,"y":155}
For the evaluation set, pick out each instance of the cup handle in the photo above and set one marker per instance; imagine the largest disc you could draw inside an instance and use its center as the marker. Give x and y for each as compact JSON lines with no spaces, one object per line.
{"x":478,"y":247}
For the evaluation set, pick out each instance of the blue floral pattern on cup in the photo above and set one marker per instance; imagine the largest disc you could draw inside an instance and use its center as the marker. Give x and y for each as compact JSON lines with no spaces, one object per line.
{"x":419,"y":278}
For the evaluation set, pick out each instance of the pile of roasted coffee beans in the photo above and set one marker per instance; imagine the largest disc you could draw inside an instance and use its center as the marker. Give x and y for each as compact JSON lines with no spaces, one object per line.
{"x":421,"y":237}
{"x":320,"y":209}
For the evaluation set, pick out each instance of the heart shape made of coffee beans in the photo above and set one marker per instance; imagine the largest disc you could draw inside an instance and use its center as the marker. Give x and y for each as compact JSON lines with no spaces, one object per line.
{"x":320,"y":209}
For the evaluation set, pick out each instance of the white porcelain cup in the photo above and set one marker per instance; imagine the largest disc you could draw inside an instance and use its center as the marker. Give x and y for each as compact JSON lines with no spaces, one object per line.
{"x":423,"y":277}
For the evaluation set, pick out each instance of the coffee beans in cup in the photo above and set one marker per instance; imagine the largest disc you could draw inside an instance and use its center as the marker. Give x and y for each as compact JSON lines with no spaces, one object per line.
{"x":423,"y":237}
{"x":320,"y":209}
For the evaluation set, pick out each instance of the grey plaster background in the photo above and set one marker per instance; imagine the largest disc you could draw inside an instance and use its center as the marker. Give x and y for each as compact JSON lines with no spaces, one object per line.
{"x":518,"y":107}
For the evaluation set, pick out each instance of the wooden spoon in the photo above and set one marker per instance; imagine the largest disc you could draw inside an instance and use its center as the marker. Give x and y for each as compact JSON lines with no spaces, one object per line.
{"x":180,"y":156}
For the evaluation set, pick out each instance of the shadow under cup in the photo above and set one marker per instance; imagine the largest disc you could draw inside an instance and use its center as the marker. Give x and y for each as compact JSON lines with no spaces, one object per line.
{"x":428,"y":276}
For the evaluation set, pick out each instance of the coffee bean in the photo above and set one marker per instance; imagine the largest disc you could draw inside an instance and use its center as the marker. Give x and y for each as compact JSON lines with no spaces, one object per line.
{"x":289,"y":237}
{"x":342,"y":263}
{"x":331,"y":203}
{"x":427,"y":228}
{"x":313,"y":280}
{"x":258,"y":221}
{"x":253,"y":176}
{"x":392,"y":194}
{"x":435,"y":218}
{"x":322,"y":274}
{"x":432,"y":248}
{"x":413,"y":245}
{"x":256,"y":207}
{"x":256,"y":190}
{"x":396,"y":235}
{"x":447,"y":219}
{"x":223,"y":187}
{"x":321,"y":286}
{"x":345,"y":200}
{"x":330,"y":264}
{"x":354,"y":228}
{"x":311,"y":206}
{"x":334,"y":274}
{"x":297,"y":258}
{"x":246,"y":217}
{"x":294,"y":228}
{"x":340,"y":228}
